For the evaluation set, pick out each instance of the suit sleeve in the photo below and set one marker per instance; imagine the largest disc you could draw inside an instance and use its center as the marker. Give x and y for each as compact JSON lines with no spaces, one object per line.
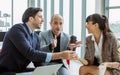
{"x":87,"y":54}
{"x":18,"y":37}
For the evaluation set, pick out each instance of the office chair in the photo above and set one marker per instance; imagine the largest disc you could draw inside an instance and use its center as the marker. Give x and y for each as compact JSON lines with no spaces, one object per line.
{"x":2,"y":34}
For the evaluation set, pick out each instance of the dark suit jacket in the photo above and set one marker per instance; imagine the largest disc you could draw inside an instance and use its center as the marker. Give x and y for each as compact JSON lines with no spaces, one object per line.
{"x":110,"y":52}
{"x":17,"y":51}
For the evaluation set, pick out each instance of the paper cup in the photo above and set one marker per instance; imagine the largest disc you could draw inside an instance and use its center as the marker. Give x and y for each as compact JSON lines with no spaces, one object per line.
{"x":102,"y":69}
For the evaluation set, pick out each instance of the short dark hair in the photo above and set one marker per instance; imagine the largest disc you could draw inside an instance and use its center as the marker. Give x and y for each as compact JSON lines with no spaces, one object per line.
{"x":30,"y":12}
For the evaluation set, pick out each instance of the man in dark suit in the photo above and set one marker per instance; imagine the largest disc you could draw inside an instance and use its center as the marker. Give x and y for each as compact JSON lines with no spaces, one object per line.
{"x":21,"y":45}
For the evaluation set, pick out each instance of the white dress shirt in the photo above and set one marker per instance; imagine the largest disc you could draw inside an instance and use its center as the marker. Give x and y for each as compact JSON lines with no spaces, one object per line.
{"x":98,"y":48}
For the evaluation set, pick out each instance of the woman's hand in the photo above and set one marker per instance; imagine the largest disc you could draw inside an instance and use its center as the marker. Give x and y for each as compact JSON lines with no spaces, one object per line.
{"x":111,"y":64}
{"x":83,"y":61}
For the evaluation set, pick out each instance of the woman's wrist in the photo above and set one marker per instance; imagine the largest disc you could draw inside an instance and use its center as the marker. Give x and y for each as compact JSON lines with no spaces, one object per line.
{"x":118,"y":66}
{"x":115,"y":65}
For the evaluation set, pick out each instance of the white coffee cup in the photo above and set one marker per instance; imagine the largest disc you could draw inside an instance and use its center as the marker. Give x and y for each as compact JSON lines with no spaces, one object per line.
{"x":102,"y":69}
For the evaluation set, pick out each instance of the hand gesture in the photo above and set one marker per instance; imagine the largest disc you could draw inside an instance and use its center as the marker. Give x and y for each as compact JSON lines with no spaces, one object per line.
{"x":54,"y":42}
{"x":69,"y":55}
{"x":77,"y":44}
{"x":65,"y":55}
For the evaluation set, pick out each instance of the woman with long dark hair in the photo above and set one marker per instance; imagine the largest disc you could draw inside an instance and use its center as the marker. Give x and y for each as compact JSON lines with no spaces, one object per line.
{"x":101,"y":47}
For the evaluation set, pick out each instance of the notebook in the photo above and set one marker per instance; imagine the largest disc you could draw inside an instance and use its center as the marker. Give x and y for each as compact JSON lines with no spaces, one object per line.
{"x":46,"y":70}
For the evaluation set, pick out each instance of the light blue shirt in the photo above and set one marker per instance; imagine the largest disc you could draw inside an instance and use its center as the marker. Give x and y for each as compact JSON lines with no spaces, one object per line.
{"x":49,"y":55}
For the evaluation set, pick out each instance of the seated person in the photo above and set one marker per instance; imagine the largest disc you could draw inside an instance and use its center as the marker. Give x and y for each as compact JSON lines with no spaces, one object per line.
{"x":101,"y":47}
{"x":54,"y":40}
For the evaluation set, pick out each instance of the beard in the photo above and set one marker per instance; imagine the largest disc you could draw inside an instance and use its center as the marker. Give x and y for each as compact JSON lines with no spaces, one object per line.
{"x":37,"y":26}
{"x":56,"y":31}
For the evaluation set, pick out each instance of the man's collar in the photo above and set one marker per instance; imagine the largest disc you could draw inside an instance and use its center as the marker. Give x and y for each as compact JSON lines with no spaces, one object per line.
{"x":30,"y":30}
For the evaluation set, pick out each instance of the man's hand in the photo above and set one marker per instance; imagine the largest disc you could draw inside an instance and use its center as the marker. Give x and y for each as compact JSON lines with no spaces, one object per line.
{"x":65,"y":55}
{"x":54,"y":42}
{"x":72,"y":45}
{"x":69,"y":55}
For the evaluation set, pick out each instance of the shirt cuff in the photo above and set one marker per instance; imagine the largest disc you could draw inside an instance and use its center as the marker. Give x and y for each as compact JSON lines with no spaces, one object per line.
{"x":49,"y":57}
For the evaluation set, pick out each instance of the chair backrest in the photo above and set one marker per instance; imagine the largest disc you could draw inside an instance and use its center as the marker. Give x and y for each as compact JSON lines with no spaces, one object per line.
{"x":2,"y":34}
